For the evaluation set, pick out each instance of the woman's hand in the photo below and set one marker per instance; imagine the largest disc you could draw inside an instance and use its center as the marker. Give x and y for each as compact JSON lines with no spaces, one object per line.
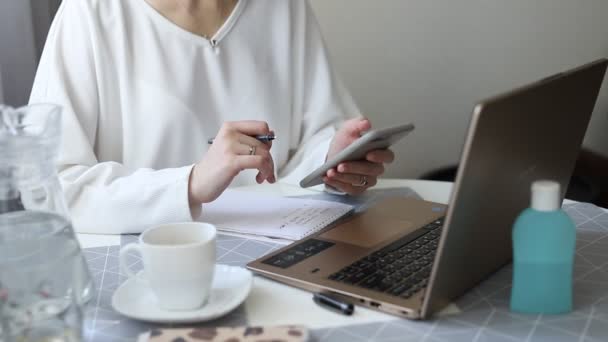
{"x":354,"y":177}
{"x":234,"y":149}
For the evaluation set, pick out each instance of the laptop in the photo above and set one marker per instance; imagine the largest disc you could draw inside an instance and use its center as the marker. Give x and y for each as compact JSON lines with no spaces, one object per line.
{"x":410,"y":257}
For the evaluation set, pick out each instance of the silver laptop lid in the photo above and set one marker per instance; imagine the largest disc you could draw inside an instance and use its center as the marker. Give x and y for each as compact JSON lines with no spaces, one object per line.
{"x":530,"y":133}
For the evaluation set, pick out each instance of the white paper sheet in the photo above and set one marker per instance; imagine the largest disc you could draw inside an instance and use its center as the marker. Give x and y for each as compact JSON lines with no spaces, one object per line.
{"x":274,"y":216}
{"x":272,"y":303}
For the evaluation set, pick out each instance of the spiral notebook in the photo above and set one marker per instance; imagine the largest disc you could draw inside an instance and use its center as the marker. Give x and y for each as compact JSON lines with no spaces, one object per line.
{"x":271,"y":216}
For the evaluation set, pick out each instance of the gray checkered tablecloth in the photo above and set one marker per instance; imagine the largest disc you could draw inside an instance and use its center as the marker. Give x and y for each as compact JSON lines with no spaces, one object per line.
{"x":485,"y":315}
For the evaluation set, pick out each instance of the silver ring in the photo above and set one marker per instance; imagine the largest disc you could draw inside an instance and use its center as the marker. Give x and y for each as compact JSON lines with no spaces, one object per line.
{"x":252,"y":150}
{"x":363,"y":181}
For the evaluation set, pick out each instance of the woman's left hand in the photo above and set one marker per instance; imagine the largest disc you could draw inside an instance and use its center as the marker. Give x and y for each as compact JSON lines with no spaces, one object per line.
{"x":354,"y":177}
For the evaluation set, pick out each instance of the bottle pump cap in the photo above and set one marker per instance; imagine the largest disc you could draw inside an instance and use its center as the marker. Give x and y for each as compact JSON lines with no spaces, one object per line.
{"x":545,"y":195}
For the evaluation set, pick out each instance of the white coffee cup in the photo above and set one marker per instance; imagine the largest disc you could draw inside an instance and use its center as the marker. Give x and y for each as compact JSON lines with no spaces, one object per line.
{"x":179,"y":261}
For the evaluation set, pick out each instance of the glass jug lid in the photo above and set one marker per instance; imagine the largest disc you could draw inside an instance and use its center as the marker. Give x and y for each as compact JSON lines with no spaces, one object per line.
{"x":29,"y":143}
{"x":29,"y":134}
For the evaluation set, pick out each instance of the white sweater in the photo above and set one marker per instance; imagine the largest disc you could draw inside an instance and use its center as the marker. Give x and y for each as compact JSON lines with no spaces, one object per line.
{"x":141,"y":96}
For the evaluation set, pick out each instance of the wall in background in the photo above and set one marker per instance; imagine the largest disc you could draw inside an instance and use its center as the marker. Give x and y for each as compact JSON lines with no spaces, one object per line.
{"x":18,"y":50}
{"x":43,"y":12}
{"x":429,"y":61}
{"x":1,"y":92}
{"x":23,"y":28}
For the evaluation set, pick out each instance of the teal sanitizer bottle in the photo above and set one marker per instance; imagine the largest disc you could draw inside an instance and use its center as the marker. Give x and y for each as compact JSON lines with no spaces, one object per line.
{"x":544,"y":239}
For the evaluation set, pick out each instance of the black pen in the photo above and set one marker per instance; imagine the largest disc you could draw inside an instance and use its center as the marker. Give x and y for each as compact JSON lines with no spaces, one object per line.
{"x":262,"y":138}
{"x":333,"y":304}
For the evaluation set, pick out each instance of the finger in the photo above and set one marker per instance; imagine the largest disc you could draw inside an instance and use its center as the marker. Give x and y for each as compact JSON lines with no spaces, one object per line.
{"x":271,"y":178}
{"x":244,"y":162}
{"x":380,"y":156}
{"x":259,"y":178}
{"x":263,"y":163}
{"x":355,"y":127}
{"x":266,"y":175}
{"x":355,"y":180}
{"x":267,"y":167}
{"x":251,"y":141}
{"x":252,"y":162}
{"x":248,"y":127}
{"x":244,"y":150}
{"x":348,"y":188}
{"x":361,"y":168}
{"x":332,"y":170}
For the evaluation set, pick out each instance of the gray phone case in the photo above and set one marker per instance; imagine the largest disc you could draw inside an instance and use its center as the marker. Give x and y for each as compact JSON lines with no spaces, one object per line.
{"x":372,"y":140}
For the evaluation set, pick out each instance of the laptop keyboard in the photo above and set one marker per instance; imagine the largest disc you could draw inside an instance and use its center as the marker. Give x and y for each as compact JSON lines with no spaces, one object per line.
{"x":399,"y":269}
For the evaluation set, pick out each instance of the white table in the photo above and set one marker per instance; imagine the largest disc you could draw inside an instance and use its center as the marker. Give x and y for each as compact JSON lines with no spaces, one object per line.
{"x":485,"y":313}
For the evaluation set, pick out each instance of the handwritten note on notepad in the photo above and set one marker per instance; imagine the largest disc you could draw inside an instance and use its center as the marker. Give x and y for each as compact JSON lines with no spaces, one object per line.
{"x":272,"y":216}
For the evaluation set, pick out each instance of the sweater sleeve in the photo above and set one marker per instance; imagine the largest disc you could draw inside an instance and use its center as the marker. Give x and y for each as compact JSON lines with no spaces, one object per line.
{"x":103,"y":196}
{"x":320,"y":100}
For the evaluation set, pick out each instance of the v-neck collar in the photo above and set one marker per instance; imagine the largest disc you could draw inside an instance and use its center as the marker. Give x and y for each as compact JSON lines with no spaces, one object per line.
{"x":217,"y":36}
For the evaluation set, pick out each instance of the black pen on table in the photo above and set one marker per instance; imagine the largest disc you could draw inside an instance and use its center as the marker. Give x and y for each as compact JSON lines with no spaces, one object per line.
{"x":262,"y":138}
{"x":329,"y":302}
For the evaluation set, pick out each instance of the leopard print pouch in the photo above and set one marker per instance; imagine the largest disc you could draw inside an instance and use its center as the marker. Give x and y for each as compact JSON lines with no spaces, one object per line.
{"x":227,"y":334}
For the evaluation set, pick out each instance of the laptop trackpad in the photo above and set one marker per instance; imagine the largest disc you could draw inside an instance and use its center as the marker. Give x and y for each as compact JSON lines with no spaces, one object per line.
{"x":368,"y":230}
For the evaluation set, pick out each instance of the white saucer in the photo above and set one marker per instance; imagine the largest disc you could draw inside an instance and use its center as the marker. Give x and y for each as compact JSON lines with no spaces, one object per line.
{"x":230,"y":288}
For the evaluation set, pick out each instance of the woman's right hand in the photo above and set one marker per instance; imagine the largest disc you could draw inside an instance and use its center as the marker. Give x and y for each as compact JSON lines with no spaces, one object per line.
{"x":228,"y":155}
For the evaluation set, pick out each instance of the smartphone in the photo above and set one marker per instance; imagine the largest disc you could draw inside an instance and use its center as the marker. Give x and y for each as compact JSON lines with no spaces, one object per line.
{"x":372,"y":140}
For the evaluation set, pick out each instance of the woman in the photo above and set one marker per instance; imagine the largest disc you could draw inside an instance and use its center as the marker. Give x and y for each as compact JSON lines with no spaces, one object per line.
{"x":145,"y":83}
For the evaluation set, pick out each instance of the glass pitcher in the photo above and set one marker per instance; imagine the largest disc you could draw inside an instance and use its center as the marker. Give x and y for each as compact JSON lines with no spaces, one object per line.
{"x":44,"y":278}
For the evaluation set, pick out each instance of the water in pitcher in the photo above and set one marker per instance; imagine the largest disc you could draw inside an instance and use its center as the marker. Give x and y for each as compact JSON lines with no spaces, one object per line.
{"x":44,"y":279}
